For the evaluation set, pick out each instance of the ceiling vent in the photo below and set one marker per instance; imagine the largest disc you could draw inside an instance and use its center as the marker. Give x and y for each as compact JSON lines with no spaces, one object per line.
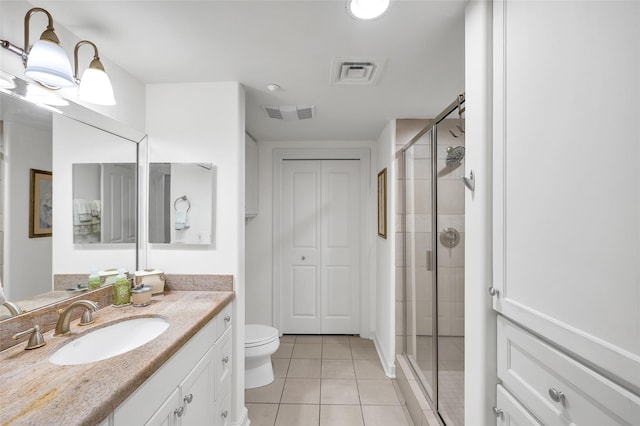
{"x":356,"y":71}
{"x":290,"y":112}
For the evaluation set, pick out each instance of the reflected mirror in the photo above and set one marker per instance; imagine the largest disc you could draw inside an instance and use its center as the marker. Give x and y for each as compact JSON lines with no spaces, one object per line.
{"x":104,"y":203}
{"x":181,"y":203}
{"x":51,"y":138}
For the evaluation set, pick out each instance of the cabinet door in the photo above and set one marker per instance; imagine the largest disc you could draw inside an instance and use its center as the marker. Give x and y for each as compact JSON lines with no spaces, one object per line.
{"x":509,"y":412}
{"x":565,"y":176}
{"x":223,"y":364}
{"x":167,"y":413}
{"x":198,"y":393}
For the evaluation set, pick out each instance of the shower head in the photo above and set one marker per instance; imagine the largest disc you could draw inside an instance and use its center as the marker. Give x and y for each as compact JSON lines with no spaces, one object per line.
{"x":455,"y":155}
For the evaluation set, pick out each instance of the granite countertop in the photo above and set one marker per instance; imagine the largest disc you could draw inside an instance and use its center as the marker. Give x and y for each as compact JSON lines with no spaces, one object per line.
{"x":37,"y":392}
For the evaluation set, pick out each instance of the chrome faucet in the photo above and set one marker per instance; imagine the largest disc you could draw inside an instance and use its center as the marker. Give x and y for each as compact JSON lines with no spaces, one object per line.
{"x":62,"y":326}
{"x":12,"y":307}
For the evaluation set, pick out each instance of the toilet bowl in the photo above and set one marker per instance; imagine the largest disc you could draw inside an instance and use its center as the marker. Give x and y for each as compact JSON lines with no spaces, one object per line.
{"x":260,"y":342}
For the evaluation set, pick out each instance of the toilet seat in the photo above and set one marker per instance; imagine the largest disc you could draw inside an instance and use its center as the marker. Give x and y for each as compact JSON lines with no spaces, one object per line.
{"x":259,"y":335}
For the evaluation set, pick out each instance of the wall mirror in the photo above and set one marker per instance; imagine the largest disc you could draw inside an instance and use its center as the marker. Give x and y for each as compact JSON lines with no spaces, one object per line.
{"x":181,"y":203}
{"x":104,"y":203}
{"x":48,"y":135}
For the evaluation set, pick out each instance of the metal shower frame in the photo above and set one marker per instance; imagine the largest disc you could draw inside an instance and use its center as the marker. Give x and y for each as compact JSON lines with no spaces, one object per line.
{"x":432,"y":125}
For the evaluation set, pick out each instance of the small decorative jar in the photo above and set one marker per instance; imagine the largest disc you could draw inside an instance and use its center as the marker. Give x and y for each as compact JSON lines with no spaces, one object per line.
{"x":141,"y":296}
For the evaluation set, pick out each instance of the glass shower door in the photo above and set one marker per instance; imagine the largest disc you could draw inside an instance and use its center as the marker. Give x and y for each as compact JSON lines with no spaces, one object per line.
{"x":419,"y":262}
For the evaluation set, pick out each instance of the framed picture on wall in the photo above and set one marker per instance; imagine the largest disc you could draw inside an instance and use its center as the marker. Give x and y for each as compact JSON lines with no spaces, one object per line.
{"x":382,"y":203}
{"x":40,"y":204}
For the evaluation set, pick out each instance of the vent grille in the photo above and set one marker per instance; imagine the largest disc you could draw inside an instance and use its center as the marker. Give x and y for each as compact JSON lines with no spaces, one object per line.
{"x":290,"y":112}
{"x":356,"y":71}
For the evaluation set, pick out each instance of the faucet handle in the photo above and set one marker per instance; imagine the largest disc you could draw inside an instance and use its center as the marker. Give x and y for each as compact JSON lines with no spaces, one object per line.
{"x":35,"y":341}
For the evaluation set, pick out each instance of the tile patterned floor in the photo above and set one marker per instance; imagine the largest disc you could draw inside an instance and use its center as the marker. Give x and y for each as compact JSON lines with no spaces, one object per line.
{"x":327,"y":381}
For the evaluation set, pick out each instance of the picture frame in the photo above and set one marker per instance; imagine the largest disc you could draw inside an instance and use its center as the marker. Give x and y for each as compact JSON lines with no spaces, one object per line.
{"x":382,"y":203}
{"x":40,"y":203}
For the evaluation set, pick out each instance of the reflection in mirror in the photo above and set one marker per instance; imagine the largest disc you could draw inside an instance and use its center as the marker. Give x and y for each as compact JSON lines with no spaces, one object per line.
{"x":104,"y":203}
{"x":31,"y":137}
{"x":181,"y":203}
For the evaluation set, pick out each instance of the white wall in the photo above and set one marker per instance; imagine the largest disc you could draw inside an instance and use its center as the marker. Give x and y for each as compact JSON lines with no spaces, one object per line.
{"x":204,"y":123}
{"x":74,"y":142}
{"x":26,"y":148}
{"x":385,"y":256}
{"x":129,"y":92}
{"x":480,"y":325}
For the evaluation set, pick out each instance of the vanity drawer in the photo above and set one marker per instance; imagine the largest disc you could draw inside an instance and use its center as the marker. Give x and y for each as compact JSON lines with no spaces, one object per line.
{"x":556,"y":388}
{"x":224,"y":319}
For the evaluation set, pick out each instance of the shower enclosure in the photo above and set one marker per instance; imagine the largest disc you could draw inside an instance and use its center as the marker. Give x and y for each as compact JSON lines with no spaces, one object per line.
{"x":432,"y":227}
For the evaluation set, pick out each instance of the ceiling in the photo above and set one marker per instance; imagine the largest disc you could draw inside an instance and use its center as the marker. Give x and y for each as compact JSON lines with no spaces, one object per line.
{"x":290,"y":43}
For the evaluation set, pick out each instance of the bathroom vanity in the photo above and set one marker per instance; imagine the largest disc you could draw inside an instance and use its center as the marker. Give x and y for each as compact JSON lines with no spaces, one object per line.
{"x":183,"y":375}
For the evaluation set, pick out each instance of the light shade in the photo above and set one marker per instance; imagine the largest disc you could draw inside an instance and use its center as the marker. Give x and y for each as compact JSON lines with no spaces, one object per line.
{"x":95,"y":87}
{"x":367,"y":9}
{"x":48,"y":64}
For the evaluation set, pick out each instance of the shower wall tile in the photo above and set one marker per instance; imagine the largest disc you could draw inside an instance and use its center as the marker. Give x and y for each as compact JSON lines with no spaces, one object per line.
{"x":445,"y":283}
{"x":418,"y":196}
{"x":450,"y":197}
{"x":451,"y":221}
{"x":419,"y":168}
{"x":422,"y":150}
{"x":399,"y":223}
{"x":418,"y":222}
{"x":458,"y":285}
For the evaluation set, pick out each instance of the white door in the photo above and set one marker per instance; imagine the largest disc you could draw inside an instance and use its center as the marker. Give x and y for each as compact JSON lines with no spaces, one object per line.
{"x":119,"y":203}
{"x":321,"y":246}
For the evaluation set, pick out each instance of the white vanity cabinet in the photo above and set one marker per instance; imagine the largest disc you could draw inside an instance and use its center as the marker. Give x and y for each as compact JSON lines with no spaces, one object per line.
{"x":510,"y":412}
{"x":251,"y":177}
{"x":566,"y":234}
{"x":192,"y":388}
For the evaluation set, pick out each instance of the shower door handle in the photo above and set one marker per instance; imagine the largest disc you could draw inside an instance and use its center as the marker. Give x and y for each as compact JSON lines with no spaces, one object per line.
{"x":429,"y":260}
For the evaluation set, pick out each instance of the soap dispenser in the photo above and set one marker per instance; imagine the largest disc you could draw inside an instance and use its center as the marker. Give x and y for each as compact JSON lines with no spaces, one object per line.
{"x":121,"y":289}
{"x":94,"y":280}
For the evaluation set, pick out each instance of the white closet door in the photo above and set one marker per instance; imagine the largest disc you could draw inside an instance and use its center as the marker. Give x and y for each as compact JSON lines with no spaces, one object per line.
{"x":119,"y":205}
{"x":301,"y":247}
{"x":340,"y":246}
{"x":321,"y":253}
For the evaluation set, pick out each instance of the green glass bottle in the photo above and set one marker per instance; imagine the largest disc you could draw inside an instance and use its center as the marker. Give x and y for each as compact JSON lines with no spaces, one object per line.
{"x":121,"y":289}
{"x":94,"y":281}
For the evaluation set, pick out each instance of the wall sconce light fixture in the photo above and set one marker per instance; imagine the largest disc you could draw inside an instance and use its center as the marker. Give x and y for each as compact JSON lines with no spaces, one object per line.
{"x":94,"y":86}
{"x":367,"y":9}
{"x":46,"y":62}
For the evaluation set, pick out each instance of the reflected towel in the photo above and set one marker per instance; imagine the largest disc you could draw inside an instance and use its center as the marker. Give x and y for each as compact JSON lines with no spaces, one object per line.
{"x":182,"y":220}
{"x":81,"y":211}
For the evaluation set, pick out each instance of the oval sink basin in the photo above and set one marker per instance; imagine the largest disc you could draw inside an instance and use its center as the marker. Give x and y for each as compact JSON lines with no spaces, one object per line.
{"x":109,"y":341}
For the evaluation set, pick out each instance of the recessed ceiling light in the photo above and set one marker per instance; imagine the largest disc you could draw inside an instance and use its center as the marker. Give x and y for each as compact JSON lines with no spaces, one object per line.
{"x":367,"y":9}
{"x":273,"y":87}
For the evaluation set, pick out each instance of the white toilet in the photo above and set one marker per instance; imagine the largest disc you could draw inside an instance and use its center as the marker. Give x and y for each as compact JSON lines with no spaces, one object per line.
{"x":260,"y":341}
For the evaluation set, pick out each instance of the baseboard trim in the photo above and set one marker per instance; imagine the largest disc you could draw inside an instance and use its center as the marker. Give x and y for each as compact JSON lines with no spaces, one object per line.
{"x":389,"y":367}
{"x":244,"y":418}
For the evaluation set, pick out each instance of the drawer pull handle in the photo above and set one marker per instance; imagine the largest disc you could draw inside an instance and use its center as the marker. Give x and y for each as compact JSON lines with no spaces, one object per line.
{"x":178,"y":411}
{"x":224,"y":414}
{"x":493,"y":291}
{"x":188,"y":398}
{"x":556,"y":395}
{"x":225,"y":360}
{"x":227,"y":318}
{"x":498,"y":412}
